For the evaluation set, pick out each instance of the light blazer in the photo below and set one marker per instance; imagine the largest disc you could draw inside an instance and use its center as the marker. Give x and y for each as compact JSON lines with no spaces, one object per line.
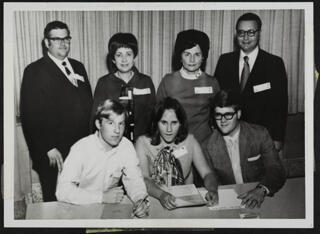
{"x":267,"y":107}
{"x":54,"y":113}
{"x":259,"y":159}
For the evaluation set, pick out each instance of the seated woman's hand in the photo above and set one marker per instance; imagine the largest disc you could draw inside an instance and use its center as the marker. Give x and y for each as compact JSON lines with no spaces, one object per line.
{"x":212,"y":197}
{"x":167,"y":200}
{"x":113,"y":195}
{"x":140,"y":208}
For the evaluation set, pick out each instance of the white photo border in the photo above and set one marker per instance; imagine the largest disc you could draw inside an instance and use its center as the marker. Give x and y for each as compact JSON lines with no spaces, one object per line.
{"x":9,"y":119}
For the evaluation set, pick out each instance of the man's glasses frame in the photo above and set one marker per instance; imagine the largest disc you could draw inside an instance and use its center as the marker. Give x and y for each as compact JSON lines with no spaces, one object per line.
{"x":249,"y":33}
{"x":60,"y":40}
{"x":227,"y":115}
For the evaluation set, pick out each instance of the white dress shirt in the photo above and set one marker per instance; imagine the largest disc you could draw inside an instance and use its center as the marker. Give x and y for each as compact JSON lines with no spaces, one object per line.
{"x":232,"y":143}
{"x":90,"y":169}
{"x":59,"y":62}
{"x":252,"y":58}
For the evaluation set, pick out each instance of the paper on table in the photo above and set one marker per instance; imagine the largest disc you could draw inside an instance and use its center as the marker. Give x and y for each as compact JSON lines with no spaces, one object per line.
{"x":186,"y":195}
{"x":227,"y":199}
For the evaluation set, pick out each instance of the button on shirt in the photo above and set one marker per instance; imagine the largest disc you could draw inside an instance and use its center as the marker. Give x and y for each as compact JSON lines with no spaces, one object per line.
{"x":89,"y":170}
{"x":252,"y":58}
{"x":232,"y":143}
{"x":59,"y":62}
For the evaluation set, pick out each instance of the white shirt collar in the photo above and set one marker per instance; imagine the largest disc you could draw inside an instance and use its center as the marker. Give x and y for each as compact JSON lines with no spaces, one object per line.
{"x":252,"y":56}
{"x":58,"y":61}
{"x":235,"y":136}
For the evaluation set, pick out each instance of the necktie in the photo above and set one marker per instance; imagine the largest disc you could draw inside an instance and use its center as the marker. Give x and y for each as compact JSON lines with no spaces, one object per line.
{"x":73,"y":80}
{"x":245,"y":72}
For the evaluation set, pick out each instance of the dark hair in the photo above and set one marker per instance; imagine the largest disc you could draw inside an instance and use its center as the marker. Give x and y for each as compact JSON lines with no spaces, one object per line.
{"x":224,"y":98}
{"x":109,"y":105}
{"x":166,"y":104}
{"x":54,"y":25}
{"x":119,"y":40}
{"x":250,"y":16}
{"x":186,"y":40}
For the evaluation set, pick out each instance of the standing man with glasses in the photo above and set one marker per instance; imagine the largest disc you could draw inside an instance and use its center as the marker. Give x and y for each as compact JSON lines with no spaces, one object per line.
{"x":239,"y":152}
{"x":55,"y":106}
{"x":259,"y":77}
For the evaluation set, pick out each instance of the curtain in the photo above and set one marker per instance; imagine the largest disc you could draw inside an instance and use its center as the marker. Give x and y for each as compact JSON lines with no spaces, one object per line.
{"x":282,"y":34}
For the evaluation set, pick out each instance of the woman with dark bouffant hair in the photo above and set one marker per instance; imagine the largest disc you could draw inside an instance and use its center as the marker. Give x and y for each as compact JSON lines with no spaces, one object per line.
{"x":189,"y":83}
{"x":126,"y":84}
{"x":167,"y":153}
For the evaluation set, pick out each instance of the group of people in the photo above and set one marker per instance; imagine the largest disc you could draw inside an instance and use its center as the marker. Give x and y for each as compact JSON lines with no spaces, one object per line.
{"x":130,"y":140}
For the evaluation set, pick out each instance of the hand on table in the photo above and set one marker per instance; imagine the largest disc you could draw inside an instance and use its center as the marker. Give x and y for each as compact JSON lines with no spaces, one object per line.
{"x":113,"y":195}
{"x":212,"y":197}
{"x":141,"y":208}
{"x":167,"y":200}
{"x":252,"y":198}
{"x":55,"y":158}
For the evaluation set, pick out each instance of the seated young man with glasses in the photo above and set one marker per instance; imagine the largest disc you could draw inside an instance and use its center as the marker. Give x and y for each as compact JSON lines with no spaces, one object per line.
{"x":239,"y":152}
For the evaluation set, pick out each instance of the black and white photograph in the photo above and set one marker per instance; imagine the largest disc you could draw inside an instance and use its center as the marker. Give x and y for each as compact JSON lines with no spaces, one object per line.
{"x":158,"y":115}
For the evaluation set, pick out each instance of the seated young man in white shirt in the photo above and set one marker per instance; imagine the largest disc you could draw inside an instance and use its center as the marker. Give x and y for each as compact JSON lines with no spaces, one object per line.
{"x":96,"y":163}
{"x":239,"y":152}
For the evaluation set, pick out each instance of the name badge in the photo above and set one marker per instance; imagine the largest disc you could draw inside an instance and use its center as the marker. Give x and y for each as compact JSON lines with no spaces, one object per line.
{"x":261,"y":87}
{"x":203,"y":90}
{"x":180,"y":152}
{"x":141,"y":91}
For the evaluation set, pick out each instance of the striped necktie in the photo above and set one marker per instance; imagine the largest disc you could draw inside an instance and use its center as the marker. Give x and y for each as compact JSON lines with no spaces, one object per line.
{"x":245,"y":72}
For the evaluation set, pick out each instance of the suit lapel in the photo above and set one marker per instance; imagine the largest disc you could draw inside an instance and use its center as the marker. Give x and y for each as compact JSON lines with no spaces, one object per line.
{"x":255,"y":72}
{"x":235,"y":69}
{"x":243,"y":149}
{"x":219,"y":146}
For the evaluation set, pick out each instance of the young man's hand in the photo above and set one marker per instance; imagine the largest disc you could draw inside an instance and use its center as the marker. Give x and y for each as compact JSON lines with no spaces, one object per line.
{"x":140,"y":208}
{"x":113,"y":195}
{"x":252,"y":198}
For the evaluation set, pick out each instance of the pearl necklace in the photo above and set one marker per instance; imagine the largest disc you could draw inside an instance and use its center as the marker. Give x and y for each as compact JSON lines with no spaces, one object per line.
{"x":189,"y":76}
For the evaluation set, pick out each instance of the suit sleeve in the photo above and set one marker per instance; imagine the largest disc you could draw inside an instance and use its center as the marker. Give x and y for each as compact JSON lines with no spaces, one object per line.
{"x":275,"y":175}
{"x":279,"y":102}
{"x":99,"y":95}
{"x":219,"y":71}
{"x":37,"y":111}
{"x":208,"y":159}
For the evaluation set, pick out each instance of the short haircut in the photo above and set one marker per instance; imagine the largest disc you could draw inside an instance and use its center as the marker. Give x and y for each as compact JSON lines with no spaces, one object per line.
{"x":224,"y":98}
{"x":167,"y":104}
{"x":252,"y":17}
{"x":120,"y":40}
{"x":54,"y":25}
{"x":109,"y":105}
{"x":186,"y":40}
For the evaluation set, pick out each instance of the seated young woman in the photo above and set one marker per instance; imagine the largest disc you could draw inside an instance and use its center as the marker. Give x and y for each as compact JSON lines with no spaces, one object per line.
{"x":167,"y":152}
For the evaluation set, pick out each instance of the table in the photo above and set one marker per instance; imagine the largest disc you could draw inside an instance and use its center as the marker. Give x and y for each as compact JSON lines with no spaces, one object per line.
{"x":289,"y":202}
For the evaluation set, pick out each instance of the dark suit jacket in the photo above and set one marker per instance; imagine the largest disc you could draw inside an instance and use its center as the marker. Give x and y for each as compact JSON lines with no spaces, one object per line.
{"x":54,"y":113}
{"x":259,"y":159}
{"x":269,"y":107}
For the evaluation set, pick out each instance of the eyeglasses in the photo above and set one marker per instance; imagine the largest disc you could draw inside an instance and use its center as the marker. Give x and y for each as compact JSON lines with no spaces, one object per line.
{"x":250,"y":33}
{"x":60,"y":40}
{"x":227,"y":115}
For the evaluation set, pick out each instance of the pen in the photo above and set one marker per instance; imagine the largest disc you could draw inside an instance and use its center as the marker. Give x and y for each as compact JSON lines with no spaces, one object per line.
{"x":139,"y":204}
